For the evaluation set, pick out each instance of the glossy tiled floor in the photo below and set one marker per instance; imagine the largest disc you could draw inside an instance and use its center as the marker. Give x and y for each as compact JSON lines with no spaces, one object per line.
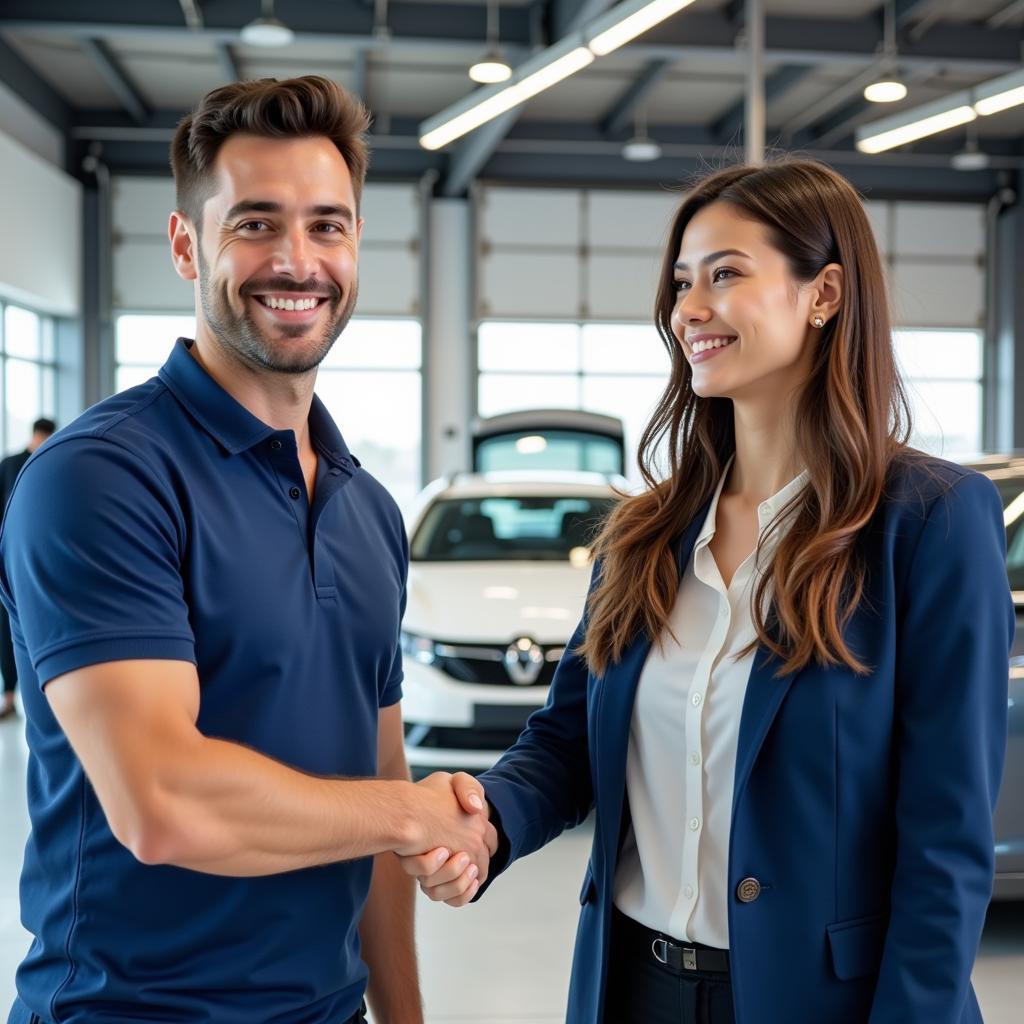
{"x":505,"y":960}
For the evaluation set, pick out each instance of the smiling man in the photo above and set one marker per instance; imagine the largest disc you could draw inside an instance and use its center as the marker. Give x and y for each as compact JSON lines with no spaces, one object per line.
{"x":205,"y":590}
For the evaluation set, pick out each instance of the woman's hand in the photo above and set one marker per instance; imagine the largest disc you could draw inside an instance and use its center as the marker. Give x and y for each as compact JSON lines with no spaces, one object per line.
{"x":453,"y":878}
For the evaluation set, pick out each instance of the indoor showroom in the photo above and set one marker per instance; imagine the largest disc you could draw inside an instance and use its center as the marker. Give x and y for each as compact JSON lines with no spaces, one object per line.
{"x":513,"y":511}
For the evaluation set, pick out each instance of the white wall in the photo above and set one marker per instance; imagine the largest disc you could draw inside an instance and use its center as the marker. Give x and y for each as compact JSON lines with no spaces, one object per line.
{"x":41,"y":214}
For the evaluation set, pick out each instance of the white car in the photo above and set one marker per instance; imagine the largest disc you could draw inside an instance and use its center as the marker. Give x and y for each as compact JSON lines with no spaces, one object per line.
{"x":499,"y":569}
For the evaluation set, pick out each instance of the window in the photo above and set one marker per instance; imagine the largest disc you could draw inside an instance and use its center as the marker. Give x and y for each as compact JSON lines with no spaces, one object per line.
{"x":370,"y":383}
{"x":943,"y":373}
{"x":619,"y":369}
{"x":29,"y":371}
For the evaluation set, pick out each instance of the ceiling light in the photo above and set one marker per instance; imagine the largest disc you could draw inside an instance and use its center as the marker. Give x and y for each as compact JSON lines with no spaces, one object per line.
{"x":885,"y":90}
{"x":493,"y":68}
{"x":267,"y":30}
{"x":641,"y":149}
{"x":916,"y":123}
{"x":627,"y":20}
{"x":475,"y":110}
{"x":999,"y":93}
{"x":969,"y":160}
{"x":888,"y":88}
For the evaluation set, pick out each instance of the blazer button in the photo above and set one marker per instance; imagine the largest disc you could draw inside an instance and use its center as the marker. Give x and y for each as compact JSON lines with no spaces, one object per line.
{"x":748,"y":890}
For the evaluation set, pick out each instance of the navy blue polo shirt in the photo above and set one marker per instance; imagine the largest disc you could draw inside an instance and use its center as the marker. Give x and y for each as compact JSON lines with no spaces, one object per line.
{"x":168,"y":522}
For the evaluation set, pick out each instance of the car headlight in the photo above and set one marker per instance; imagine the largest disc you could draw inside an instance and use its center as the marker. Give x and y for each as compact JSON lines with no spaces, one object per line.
{"x":419,"y":648}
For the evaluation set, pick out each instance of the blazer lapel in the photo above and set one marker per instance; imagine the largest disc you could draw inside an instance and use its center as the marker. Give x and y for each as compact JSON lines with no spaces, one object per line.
{"x":615,"y":701}
{"x":764,"y":696}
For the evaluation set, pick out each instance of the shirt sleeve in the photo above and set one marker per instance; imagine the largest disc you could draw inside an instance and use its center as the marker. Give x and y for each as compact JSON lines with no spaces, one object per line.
{"x":90,"y":560}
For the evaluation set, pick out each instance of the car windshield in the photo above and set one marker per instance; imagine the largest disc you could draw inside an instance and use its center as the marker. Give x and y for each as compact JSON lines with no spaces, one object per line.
{"x":546,"y":528}
{"x":1011,"y":490}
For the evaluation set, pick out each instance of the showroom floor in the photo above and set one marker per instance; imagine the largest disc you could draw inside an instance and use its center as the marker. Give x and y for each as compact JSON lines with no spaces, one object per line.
{"x":504,"y":961}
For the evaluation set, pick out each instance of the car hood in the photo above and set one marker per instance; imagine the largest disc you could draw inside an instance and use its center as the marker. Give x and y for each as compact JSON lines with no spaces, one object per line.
{"x":495,"y":602}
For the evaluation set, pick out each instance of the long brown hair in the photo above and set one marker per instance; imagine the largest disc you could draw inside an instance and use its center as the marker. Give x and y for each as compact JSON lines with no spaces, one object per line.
{"x":852,"y":419}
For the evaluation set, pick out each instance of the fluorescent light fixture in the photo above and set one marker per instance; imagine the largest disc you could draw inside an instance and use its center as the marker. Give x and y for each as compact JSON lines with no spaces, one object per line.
{"x":626,"y":21}
{"x":533,"y":77}
{"x":491,"y":69}
{"x":622,"y":23}
{"x":999,"y":94}
{"x":885,"y":90}
{"x":917,"y":123}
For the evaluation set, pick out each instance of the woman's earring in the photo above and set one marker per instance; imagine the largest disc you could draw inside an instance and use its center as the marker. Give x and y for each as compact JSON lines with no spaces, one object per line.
{"x":818,"y":321}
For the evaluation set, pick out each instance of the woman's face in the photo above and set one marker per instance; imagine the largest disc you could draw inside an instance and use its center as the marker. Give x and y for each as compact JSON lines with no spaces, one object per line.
{"x":741,"y":318}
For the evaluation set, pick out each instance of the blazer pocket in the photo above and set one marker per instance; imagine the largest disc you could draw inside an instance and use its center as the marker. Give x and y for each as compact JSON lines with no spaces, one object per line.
{"x":589,"y":888}
{"x":856,"y":945}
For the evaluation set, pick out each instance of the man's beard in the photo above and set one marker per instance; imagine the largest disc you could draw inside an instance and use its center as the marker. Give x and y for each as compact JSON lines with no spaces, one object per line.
{"x":240,"y":334}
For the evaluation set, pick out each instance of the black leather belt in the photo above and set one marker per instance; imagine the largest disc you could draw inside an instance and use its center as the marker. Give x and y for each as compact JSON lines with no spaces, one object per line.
{"x":669,"y":952}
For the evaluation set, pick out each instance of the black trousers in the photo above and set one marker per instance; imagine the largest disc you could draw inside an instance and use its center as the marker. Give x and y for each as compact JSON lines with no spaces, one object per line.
{"x":8,"y":668}
{"x":643,"y":991}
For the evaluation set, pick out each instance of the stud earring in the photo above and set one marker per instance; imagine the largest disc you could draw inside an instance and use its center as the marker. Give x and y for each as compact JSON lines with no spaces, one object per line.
{"x":818,"y":321}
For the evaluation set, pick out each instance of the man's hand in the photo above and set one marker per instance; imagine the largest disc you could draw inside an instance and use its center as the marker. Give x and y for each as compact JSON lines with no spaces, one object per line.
{"x":454,"y":878}
{"x":452,"y":823}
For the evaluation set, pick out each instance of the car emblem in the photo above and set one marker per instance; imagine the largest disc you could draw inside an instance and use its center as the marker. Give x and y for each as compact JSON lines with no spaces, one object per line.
{"x":524,"y":661}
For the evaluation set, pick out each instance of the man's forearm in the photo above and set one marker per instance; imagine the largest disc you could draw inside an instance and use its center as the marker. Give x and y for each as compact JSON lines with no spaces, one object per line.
{"x":388,"y":944}
{"x":224,"y":809}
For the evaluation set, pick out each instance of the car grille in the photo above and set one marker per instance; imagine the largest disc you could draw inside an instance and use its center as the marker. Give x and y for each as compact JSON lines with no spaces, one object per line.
{"x":486,"y":665}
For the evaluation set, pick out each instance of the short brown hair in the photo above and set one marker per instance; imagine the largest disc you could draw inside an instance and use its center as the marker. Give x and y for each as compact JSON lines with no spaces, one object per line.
{"x":293,"y":108}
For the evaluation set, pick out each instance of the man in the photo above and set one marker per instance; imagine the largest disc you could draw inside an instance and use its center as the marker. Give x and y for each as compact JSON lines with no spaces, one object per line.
{"x":206,"y":589}
{"x":9,"y":469}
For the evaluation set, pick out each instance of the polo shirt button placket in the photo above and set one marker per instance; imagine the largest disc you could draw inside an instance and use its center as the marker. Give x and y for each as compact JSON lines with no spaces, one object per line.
{"x":294,"y":493}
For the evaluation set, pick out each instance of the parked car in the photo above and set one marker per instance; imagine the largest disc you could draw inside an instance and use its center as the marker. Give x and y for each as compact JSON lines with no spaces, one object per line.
{"x":499,"y":568}
{"x":1007,"y":473}
{"x":548,"y":439}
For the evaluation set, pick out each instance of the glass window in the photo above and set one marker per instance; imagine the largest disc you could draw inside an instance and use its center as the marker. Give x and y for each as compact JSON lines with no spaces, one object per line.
{"x":22,"y":393}
{"x":379,"y":415}
{"x":551,"y":347}
{"x":378,"y":345}
{"x":624,"y":348}
{"x":22,"y":333}
{"x":144,"y":339}
{"x":129,"y":376}
{"x":550,"y":449}
{"x":542,"y":528}
{"x":507,"y":392}
{"x":943,"y":374}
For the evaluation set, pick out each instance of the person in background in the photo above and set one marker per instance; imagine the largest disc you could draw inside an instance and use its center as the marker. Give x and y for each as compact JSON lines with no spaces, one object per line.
{"x":787,"y":697}
{"x":10,"y":467}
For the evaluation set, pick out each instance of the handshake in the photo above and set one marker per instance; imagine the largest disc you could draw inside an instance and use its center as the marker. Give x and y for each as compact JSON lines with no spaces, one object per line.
{"x":453,"y":825}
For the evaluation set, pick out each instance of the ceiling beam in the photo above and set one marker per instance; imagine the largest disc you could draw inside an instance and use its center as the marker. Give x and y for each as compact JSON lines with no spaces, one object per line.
{"x":961,"y":47}
{"x":24,"y":82}
{"x":620,"y":113}
{"x":569,"y":15}
{"x":473,"y":153}
{"x":229,"y":67}
{"x":1005,"y":15}
{"x":115,"y":76}
{"x":778,"y":82}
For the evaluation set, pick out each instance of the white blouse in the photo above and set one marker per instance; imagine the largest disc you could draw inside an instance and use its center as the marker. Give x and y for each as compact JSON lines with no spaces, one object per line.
{"x":672,"y":874}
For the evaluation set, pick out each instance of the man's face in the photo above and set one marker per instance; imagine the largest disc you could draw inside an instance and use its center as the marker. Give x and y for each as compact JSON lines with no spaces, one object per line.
{"x":278,"y":253}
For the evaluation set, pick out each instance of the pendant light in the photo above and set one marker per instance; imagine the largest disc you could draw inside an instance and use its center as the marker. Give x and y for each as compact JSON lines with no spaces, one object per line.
{"x":266,"y":30}
{"x":492,"y":67}
{"x":887,"y":88}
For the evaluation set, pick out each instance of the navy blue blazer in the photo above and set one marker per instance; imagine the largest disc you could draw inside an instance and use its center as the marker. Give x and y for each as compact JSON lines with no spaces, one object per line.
{"x":862,"y":804}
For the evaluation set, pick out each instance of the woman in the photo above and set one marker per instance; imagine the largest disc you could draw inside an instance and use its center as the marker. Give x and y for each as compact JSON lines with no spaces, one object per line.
{"x":787,"y":697}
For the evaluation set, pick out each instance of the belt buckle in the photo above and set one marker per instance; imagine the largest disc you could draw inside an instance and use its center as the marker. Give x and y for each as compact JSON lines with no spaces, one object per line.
{"x":689,"y":959}
{"x":659,"y":947}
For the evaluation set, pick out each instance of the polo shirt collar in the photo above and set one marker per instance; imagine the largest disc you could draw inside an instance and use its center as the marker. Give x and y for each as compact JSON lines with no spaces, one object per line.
{"x":228,"y":421}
